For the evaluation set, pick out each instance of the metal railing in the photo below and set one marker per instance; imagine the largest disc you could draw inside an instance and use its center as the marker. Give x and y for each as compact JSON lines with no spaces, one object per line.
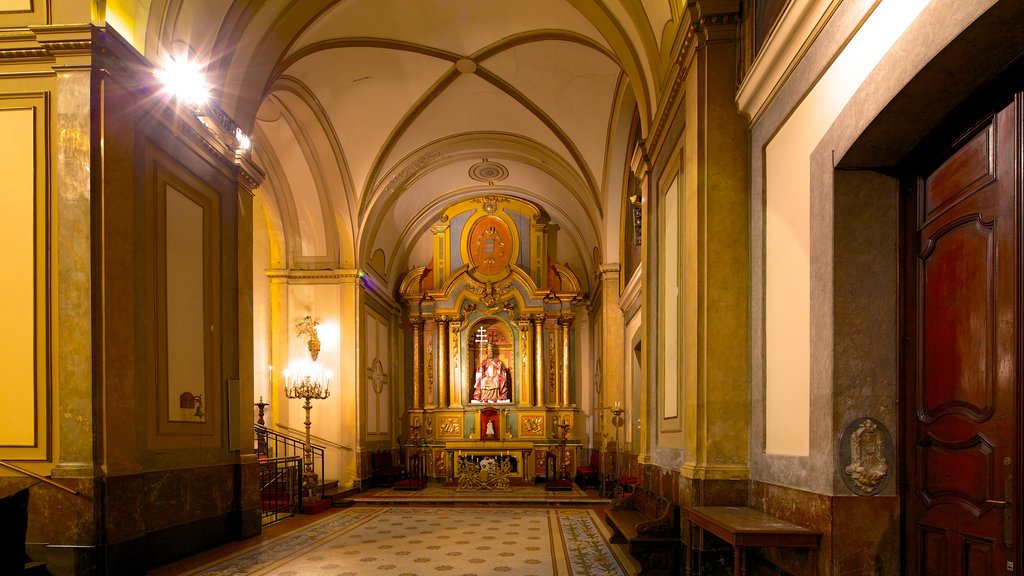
{"x":280,"y":488}
{"x":274,"y":448}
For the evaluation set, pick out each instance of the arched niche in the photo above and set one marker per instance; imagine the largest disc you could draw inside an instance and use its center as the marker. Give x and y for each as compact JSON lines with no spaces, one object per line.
{"x":491,"y":348}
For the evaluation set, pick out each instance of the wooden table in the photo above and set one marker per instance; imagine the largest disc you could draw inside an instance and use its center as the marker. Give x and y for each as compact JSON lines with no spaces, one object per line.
{"x":742,"y":527}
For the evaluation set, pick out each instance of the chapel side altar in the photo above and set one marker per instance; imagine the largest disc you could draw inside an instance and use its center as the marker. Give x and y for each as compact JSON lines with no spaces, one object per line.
{"x":492,"y":339}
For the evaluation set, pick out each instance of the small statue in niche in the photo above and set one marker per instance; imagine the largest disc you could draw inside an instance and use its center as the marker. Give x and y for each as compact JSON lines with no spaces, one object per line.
{"x":492,"y":381}
{"x":867,"y":466}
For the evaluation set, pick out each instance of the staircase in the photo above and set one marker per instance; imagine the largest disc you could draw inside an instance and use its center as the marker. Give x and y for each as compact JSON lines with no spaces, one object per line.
{"x":281,"y":474}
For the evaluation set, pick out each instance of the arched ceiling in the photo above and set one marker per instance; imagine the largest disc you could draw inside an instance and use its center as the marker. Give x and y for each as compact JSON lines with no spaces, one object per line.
{"x":367,"y":115}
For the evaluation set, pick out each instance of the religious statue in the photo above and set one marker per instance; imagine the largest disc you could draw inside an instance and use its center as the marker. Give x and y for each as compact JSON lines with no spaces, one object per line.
{"x":492,"y":382}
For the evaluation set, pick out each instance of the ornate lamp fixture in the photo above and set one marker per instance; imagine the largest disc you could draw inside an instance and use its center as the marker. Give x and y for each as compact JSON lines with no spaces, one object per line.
{"x":308,"y":327}
{"x":308,"y":381}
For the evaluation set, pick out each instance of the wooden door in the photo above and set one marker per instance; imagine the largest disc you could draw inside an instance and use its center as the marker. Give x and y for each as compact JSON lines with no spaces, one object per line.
{"x":963,"y":329}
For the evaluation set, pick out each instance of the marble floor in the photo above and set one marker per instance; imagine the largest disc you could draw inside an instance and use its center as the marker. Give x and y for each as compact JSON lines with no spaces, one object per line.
{"x":458,"y":538}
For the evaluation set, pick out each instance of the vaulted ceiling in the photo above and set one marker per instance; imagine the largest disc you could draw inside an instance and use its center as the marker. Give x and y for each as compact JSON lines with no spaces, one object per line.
{"x":370,"y":116}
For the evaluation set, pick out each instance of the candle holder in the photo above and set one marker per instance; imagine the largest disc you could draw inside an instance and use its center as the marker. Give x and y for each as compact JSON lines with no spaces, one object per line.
{"x":307,"y":381}
{"x":262,"y":445}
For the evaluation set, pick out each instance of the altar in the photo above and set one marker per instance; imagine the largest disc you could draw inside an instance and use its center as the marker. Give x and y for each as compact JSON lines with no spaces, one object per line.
{"x":491,"y":339}
{"x":513,"y":455}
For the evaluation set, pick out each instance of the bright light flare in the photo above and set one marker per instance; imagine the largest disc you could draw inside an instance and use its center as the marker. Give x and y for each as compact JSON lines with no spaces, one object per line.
{"x":184,"y":79}
{"x":244,"y":142}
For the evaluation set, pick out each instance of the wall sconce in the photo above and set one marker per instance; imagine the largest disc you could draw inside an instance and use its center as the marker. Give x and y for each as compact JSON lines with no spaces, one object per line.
{"x":308,"y":328}
{"x":189,"y":401}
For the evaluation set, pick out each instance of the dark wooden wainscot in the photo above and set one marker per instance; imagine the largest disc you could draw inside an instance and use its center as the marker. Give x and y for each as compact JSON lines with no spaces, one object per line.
{"x":650,"y":525}
{"x":743,"y":527}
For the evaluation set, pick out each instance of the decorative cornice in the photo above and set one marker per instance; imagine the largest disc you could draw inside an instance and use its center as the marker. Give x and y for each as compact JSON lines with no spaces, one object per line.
{"x":323,"y":275}
{"x":669,"y":103}
{"x":45,"y":44}
{"x":249,"y":174}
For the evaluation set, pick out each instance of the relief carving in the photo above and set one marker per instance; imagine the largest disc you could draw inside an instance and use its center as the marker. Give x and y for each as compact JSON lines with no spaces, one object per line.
{"x":430,"y":370}
{"x":552,"y":383}
{"x":532,"y":426}
{"x":451,"y":426}
{"x":868,"y":446}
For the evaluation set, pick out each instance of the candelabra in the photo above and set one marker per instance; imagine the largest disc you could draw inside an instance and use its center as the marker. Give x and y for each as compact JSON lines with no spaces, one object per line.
{"x":307,"y":381}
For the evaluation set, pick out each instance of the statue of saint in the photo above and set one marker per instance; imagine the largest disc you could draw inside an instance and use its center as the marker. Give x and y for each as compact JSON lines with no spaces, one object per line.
{"x":492,"y":382}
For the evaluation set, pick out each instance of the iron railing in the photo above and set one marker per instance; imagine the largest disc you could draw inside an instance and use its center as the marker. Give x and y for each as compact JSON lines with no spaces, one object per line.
{"x":280,"y":488}
{"x":271,"y":445}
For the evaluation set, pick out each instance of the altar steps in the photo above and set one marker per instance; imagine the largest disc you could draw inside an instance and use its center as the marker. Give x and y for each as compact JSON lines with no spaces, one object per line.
{"x":437,"y":494}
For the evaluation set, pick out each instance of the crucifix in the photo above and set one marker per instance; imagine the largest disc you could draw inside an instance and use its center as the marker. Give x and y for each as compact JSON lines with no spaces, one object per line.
{"x":481,"y":337}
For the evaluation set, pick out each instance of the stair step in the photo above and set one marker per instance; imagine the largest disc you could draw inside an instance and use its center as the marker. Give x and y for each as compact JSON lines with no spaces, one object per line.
{"x":36,"y":568}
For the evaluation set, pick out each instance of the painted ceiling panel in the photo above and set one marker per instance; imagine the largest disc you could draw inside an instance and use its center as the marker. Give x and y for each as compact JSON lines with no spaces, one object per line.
{"x":573,"y":84}
{"x":366,"y":92}
{"x":461,"y":27}
{"x":468,"y":105}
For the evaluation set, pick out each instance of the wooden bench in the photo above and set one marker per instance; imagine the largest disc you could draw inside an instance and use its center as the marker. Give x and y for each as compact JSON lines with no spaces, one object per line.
{"x":744,"y":527}
{"x":650,"y":525}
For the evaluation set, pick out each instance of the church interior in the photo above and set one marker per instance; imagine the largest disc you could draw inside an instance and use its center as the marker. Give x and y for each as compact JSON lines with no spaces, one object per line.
{"x":755,"y":257}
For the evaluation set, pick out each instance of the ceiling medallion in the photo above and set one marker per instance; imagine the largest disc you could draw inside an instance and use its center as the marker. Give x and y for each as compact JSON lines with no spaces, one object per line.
{"x":488,"y":171}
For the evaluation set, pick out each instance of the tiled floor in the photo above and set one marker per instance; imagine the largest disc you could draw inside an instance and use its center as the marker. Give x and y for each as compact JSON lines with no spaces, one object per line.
{"x":440,"y":535}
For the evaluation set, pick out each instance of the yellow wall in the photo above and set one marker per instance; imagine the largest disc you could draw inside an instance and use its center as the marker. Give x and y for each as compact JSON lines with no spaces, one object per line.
{"x":17,"y":291}
{"x":787,"y":224}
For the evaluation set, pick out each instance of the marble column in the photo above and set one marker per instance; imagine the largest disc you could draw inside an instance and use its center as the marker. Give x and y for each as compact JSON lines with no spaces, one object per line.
{"x":74,"y":285}
{"x":417,"y":362}
{"x":538,"y":360}
{"x":611,"y":344}
{"x":442,"y":361}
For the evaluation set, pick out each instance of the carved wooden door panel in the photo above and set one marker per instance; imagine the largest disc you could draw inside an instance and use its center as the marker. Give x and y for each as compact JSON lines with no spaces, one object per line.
{"x":962,"y":322}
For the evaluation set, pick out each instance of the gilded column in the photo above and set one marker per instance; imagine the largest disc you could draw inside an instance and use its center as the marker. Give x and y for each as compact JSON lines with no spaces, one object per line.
{"x":458,"y":372}
{"x":526,"y":390}
{"x":538,"y":360}
{"x":417,"y":362}
{"x":565,"y":323}
{"x":442,"y":361}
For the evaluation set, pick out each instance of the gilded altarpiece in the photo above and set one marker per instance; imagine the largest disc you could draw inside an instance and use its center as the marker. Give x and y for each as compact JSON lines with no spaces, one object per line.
{"x":492,"y":368}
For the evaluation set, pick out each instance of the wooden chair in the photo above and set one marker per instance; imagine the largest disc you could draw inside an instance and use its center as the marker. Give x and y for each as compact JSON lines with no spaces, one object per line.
{"x":385,"y":471}
{"x":417,"y":465}
{"x":590,"y":474}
